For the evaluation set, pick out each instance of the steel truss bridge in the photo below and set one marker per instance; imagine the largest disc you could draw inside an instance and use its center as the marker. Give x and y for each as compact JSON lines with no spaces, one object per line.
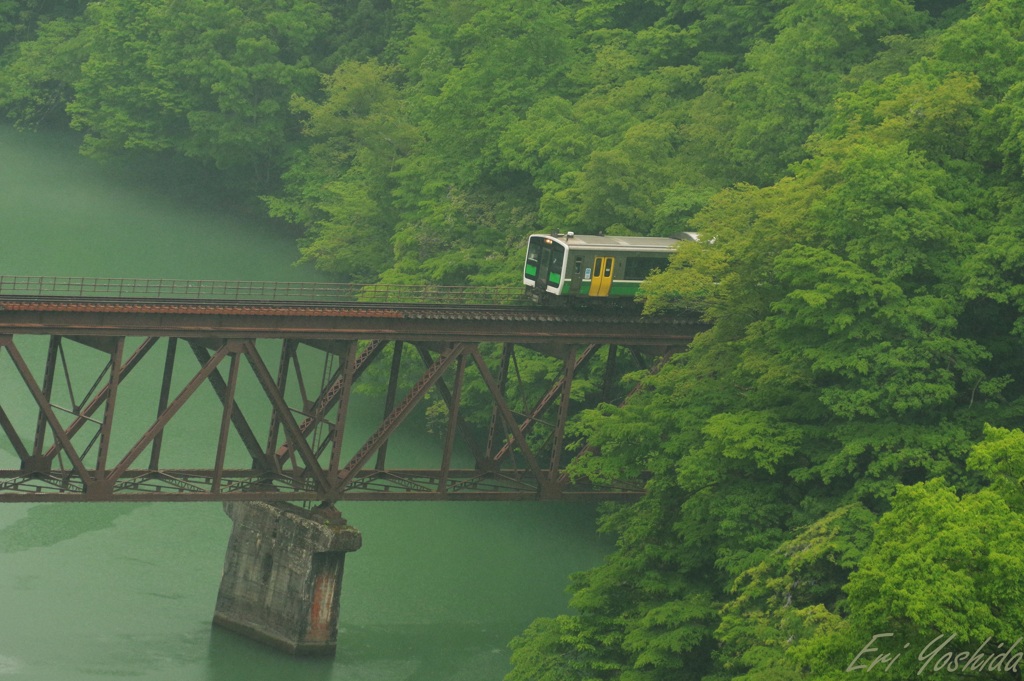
{"x":283,"y":360}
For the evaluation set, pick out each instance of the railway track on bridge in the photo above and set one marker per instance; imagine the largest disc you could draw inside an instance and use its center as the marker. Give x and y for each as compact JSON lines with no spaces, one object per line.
{"x":522,"y":313}
{"x":339,"y":321}
{"x":74,"y":455}
{"x":314,"y":309}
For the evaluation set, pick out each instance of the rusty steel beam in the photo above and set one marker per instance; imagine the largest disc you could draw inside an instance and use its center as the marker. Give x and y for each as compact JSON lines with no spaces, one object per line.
{"x":280,"y":406}
{"x":242,"y":485}
{"x":563,"y":414}
{"x":287,"y":349}
{"x":116,"y":355}
{"x":396,"y":417}
{"x":342,"y":380}
{"x":446,"y":395}
{"x":544,"y":402}
{"x":492,"y":428}
{"x":165,"y":393}
{"x":12,"y":435}
{"x":55,"y":466}
{"x":47,"y":390}
{"x":506,"y":414}
{"x":107,"y":482}
{"x":87,"y":410}
{"x":43,"y":403}
{"x":225,"y":393}
{"x":389,"y":398}
{"x":408,"y":323}
{"x":348,"y":368}
{"x":453,"y":423}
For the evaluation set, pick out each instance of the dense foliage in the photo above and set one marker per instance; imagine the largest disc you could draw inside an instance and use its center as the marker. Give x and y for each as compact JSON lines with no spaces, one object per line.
{"x":837,"y":457}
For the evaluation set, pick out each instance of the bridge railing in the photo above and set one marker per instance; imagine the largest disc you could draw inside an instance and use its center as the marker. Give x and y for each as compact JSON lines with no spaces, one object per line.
{"x":253,"y":291}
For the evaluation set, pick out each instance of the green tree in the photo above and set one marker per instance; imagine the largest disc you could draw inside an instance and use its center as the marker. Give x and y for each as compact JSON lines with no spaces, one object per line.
{"x":791,"y":596}
{"x":21,"y":19}
{"x":938,"y":572}
{"x":37,"y":79}
{"x":209,"y":80}
{"x":472,"y":69}
{"x":752,"y":122}
{"x":940,"y":568}
{"x":838,"y":371}
{"x":619,"y":172}
{"x":339,"y":187}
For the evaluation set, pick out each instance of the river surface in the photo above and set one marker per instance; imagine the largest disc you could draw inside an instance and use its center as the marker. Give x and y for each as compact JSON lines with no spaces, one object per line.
{"x":102,"y":591}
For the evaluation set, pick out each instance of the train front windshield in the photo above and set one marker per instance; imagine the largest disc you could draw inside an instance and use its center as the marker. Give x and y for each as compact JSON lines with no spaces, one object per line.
{"x":544,"y":258}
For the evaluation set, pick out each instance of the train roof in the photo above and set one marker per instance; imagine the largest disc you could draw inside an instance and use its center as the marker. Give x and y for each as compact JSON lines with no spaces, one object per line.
{"x":632,"y":243}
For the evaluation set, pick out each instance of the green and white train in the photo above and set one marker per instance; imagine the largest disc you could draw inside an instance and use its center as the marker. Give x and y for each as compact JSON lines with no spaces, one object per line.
{"x":579,"y":266}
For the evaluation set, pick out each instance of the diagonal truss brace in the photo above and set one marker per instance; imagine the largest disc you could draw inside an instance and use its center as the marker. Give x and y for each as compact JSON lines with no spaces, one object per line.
{"x":310,"y":475}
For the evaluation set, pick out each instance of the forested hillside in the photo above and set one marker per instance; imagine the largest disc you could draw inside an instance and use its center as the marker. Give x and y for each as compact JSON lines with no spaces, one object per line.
{"x":839,"y":456}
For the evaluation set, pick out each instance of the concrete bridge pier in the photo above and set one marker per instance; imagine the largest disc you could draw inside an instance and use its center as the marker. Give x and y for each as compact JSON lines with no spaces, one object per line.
{"x":282,"y":575}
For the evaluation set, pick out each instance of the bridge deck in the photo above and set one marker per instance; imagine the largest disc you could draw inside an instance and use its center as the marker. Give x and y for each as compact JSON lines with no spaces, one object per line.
{"x":352,"y":321}
{"x":522,"y":454}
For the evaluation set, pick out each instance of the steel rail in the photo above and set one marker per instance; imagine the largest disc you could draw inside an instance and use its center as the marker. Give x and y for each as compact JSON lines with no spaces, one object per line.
{"x":261,"y":291}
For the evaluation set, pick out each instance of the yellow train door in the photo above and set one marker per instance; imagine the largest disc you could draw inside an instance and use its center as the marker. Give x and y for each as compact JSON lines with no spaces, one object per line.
{"x":601,"y":283}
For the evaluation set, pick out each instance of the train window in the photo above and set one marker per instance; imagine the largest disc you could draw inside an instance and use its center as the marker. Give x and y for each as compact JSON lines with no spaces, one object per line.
{"x":557,"y":258}
{"x":639,"y":268}
{"x":533,"y":254}
{"x":577,"y":267}
{"x":532,"y":259}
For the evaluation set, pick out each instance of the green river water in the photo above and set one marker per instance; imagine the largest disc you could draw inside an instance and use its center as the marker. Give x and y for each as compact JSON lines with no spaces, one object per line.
{"x":104,"y":591}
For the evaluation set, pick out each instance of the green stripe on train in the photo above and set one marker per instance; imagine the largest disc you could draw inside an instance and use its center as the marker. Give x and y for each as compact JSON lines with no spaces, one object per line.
{"x":620,"y":289}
